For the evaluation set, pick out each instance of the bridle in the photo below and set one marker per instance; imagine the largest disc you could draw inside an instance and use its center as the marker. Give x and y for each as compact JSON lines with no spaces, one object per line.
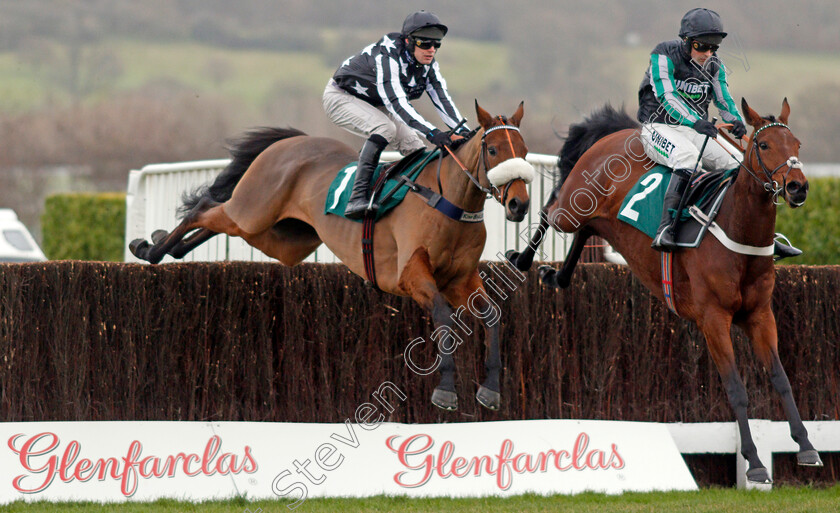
{"x":492,"y":191}
{"x":770,"y":185}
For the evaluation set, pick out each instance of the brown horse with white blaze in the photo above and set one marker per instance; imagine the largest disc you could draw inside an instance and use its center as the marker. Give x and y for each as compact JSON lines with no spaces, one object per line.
{"x":273,"y":195}
{"x":713,"y":286}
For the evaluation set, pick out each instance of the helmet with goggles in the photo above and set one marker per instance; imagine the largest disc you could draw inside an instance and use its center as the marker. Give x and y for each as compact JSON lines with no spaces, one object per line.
{"x":703,"y":26}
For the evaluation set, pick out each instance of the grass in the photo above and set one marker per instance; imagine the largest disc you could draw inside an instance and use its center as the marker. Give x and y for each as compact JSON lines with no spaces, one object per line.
{"x":785,"y":499}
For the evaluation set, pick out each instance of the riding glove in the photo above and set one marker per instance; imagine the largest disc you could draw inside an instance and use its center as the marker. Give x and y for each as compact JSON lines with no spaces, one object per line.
{"x":439,"y":138}
{"x":738,"y":129}
{"x":706,"y":128}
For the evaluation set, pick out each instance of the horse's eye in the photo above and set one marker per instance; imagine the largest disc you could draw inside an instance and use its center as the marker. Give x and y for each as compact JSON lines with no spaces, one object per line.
{"x":492,"y":151}
{"x":763,"y":145}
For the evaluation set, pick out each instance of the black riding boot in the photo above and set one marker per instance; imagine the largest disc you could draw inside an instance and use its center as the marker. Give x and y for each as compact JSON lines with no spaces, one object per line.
{"x":666,"y":235}
{"x":368,"y":160}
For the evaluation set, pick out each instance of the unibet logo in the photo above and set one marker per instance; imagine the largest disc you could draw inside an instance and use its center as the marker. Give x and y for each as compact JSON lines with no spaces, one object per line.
{"x":691,"y":89}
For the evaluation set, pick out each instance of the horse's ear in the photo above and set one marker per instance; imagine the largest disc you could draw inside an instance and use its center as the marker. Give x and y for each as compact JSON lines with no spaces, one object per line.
{"x":484,"y":118}
{"x":750,"y":115}
{"x":517,"y":116}
{"x":783,"y":117}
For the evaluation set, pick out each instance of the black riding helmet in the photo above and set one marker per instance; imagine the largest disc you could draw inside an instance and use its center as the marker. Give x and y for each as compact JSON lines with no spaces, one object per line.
{"x":423,"y":24}
{"x":703,"y":25}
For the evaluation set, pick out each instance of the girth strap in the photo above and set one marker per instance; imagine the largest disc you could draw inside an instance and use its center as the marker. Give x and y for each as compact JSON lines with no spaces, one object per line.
{"x":367,"y":247}
{"x":668,"y":280}
{"x":724,"y":239}
{"x":443,"y":205}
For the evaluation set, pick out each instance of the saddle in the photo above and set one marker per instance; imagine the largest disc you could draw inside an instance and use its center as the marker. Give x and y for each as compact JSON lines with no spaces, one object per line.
{"x":642,"y":207}
{"x":387,"y":189}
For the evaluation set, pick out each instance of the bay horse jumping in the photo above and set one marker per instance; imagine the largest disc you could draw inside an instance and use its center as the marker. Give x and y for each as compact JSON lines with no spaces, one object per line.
{"x":713,"y":286}
{"x":273,"y":194}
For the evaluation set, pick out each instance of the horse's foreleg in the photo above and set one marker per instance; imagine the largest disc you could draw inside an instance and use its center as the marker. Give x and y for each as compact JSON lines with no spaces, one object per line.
{"x":715,"y":326}
{"x":472,"y":297}
{"x":525,"y":259}
{"x":563,"y":277}
{"x":418,"y":281}
{"x":760,"y":326}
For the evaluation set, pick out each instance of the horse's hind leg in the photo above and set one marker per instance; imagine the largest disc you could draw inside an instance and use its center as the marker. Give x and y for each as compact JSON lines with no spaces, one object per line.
{"x":288,"y":252}
{"x":418,"y":281}
{"x":190,"y":243}
{"x":715,"y":325}
{"x":187,"y":244}
{"x":207,"y":214}
{"x":760,"y":326}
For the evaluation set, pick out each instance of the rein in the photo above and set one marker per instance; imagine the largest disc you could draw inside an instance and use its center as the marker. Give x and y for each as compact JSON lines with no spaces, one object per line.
{"x":500,"y":196}
{"x":440,"y":203}
{"x":771,"y":186}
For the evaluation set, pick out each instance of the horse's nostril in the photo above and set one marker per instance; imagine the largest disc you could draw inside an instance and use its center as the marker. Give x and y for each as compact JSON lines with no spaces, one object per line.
{"x":793,"y":187}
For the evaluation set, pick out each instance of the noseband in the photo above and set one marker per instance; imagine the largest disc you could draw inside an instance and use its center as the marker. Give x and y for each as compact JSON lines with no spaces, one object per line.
{"x":502,"y":198}
{"x":772,"y":186}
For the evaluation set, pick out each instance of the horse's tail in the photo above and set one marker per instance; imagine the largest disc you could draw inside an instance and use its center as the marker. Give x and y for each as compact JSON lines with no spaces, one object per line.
{"x":243,"y":151}
{"x":583,"y":135}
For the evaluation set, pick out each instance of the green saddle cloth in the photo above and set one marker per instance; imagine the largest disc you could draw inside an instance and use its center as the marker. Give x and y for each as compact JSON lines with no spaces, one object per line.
{"x":642,"y":207}
{"x":342,"y":187}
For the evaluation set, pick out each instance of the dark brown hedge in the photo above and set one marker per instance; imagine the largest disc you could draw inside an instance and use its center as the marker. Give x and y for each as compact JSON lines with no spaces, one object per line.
{"x":262,"y":342}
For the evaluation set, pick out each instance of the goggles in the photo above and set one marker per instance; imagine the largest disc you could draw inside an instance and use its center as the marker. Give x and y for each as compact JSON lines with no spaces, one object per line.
{"x":704,"y":47}
{"x":425,"y":44}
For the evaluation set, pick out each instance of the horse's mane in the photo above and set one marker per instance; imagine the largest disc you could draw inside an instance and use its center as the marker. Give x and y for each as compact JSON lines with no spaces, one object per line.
{"x":460,"y":142}
{"x":583,"y":135}
{"x":243,"y":152}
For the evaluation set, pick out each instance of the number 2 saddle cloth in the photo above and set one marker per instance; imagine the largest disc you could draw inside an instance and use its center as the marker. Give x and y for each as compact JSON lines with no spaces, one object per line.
{"x":642,"y":207}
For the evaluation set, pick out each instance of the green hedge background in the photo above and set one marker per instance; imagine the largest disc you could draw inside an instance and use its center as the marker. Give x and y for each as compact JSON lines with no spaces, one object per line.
{"x":814,"y":227}
{"x":84,"y":226}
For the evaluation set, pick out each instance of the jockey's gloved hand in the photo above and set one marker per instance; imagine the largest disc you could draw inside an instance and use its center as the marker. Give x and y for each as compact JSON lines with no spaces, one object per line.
{"x":706,"y":128}
{"x":462,"y":131}
{"x":439,"y":138}
{"x":738,"y":129}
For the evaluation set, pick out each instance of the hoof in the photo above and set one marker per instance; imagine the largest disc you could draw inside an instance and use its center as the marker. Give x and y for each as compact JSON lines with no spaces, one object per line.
{"x":546,"y":273}
{"x":488,"y":398}
{"x":139,"y":248}
{"x":445,"y":400}
{"x":758,"y":475}
{"x":159,"y":235}
{"x":809,"y":458}
{"x":515,"y":258}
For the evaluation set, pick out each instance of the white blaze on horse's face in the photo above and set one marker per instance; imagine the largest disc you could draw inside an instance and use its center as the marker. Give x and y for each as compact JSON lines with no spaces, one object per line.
{"x":511,"y":169}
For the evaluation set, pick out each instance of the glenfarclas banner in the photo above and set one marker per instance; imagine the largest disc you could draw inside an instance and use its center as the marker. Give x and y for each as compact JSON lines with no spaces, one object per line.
{"x":118,"y":461}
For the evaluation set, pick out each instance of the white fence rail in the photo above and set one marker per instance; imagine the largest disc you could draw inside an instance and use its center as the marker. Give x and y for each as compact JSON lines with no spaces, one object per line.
{"x":154,"y":194}
{"x":770,"y":437}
